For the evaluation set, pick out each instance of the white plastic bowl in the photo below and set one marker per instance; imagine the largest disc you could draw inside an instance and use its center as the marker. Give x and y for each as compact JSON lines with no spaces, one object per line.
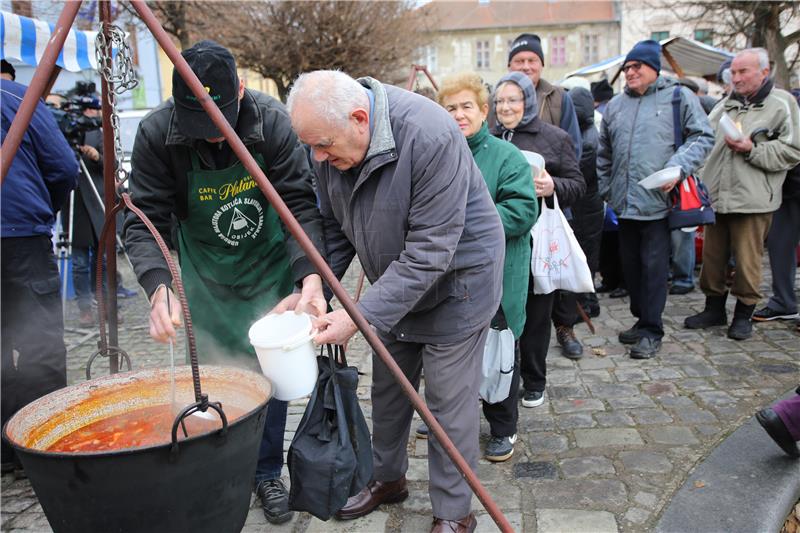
{"x":661,"y":178}
{"x":729,"y":128}
{"x":286,"y":353}
{"x":536,"y":161}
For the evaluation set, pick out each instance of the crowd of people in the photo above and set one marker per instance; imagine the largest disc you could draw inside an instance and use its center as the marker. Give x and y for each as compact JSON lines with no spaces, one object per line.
{"x":437,"y":201}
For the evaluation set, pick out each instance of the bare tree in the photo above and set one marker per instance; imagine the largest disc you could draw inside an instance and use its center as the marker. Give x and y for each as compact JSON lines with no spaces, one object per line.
{"x":284,"y":39}
{"x":752,"y":23}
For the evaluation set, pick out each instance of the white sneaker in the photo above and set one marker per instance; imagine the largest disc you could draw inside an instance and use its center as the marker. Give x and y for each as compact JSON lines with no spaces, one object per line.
{"x":531,"y":398}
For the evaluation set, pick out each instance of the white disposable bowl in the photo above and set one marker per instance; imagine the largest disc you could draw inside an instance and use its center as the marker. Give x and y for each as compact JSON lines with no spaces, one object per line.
{"x":661,"y":178}
{"x":729,"y":128}
{"x":286,"y":353}
{"x":536,"y":161}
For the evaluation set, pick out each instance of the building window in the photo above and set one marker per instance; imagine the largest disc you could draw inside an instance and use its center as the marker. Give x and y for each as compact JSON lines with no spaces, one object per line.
{"x":591,"y":49}
{"x":659,"y":35}
{"x":428,"y":57}
{"x":704,"y":36}
{"x":482,"y":59}
{"x":558,"y":51}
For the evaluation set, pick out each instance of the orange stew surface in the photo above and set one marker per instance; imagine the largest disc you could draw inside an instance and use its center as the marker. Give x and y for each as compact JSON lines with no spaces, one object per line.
{"x":142,"y":427}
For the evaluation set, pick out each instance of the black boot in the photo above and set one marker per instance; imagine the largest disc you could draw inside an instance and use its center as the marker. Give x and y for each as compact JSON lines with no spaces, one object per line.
{"x":713,"y":315}
{"x":741,"y":325}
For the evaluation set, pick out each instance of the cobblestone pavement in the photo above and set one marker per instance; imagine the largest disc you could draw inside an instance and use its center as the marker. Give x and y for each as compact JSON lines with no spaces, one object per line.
{"x":612,"y":442}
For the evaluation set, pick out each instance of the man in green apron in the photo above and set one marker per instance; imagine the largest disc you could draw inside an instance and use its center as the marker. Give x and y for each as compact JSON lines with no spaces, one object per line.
{"x":237,"y":262}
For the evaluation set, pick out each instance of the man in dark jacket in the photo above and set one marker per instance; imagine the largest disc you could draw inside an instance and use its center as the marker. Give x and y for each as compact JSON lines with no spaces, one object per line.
{"x":399,"y":187}
{"x":588,"y":210}
{"x":43,"y":172}
{"x":637,"y":139}
{"x":782,"y":242}
{"x":236,"y":261}
{"x":518,"y":122}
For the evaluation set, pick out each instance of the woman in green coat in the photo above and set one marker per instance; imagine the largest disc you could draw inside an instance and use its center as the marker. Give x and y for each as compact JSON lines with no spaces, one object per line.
{"x":510,"y":183}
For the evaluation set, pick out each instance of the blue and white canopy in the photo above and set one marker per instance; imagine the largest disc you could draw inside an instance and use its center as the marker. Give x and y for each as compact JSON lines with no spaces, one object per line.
{"x":25,"y":39}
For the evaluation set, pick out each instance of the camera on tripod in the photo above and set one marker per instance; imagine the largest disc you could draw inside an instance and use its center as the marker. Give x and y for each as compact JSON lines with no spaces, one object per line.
{"x":70,"y":116}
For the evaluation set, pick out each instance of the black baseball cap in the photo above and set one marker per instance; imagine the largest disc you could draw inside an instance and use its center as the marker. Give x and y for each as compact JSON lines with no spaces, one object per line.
{"x":216,"y":68}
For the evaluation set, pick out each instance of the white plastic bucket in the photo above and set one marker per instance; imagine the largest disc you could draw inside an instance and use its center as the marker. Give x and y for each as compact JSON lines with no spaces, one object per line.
{"x":536,"y":161}
{"x":283,"y":344}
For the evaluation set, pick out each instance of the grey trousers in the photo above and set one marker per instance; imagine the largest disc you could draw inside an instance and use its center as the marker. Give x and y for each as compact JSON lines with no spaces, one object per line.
{"x":784,"y":235}
{"x":452,"y":381}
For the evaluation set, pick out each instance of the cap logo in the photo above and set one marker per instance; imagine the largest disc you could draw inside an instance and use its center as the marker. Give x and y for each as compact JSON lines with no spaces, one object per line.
{"x":518,"y":44}
{"x":193,"y":98}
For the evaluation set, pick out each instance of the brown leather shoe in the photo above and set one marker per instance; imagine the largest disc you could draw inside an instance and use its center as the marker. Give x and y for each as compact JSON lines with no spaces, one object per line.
{"x":464,"y":525}
{"x":371,"y":496}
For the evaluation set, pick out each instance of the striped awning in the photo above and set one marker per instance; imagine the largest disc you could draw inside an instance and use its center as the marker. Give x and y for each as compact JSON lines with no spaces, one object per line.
{"x":25,"y":39}
{"x":693,"y":57}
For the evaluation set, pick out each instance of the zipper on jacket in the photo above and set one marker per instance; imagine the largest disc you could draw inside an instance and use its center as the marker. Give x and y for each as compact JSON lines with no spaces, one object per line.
{"x":630,"y":146}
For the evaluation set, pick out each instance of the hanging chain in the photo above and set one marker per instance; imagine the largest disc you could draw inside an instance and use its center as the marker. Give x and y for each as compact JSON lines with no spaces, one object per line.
{"x":120,"y":76}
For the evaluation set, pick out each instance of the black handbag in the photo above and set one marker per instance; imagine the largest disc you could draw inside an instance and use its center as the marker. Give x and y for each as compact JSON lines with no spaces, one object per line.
{"x":690,"y":203}
{"x":330,"y":458}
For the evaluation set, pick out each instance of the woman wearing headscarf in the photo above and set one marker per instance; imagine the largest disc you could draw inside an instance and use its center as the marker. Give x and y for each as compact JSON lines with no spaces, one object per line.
{"x":518,"y":123}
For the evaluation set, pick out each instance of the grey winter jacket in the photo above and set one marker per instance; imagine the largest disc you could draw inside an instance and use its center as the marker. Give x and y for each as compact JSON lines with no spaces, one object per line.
{"x":418,"y":214}
{"x":637,"y":139}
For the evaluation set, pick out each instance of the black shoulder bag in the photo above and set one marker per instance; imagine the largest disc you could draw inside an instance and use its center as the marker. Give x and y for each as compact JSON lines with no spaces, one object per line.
{"x":330,"y":458}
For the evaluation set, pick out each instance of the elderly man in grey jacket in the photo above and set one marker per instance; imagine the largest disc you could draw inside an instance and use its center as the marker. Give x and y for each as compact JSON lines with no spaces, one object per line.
{"x":398,"y":187}
{"x":637,"y":139}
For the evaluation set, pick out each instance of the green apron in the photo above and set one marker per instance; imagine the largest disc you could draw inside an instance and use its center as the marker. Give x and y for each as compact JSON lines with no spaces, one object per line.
{"x":234,"y":263}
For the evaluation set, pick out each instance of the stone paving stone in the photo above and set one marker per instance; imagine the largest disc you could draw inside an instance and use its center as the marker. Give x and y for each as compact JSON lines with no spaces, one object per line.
{"x":631,"y":402}
{"x":577,"y":406}
{"x":694,"y":384}
{"x":664,"y":373}
{"x":417,"y":469}
{"x":562,"y":377}
{"x":535,"y":470}
{"x":659,"y":388}
{"x":645,"y":499}
{"x":567,"y":392}
{"x":590,"y":438}
{"x":574,"y":521}
{"x":596,"y":376}
{"x":595,"y":363}
{"x":414,"y":522}
{"x":716,"y":398}
{"x":699,"y":370}
{"x":487,"y":523}
{"x":649,"y":417}
{"x":605,"y":494}
{"x":546,"y":443}
{"x":637,"y":515}
{"x":673,"y":435}
{"x":631,"y":375}
{"x":374,"y":521}
{"x":539,"y":423}
{"x":587,"y":466}
{"x":735,"y":358}
{"x":614,"y":419}
{"x":612,"y":390}
{"x":696,"y":416}
{"x":648,"y":462}
{"x":509,"y":494}
{"x":676,"y":402}
{"x":577,"y":420}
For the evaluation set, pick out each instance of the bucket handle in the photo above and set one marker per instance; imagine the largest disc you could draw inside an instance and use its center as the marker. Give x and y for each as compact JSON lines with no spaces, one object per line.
{"x":299,"y":342}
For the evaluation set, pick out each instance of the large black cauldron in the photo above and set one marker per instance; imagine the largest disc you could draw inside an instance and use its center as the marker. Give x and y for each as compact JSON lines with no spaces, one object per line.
{"x":203,"y":486}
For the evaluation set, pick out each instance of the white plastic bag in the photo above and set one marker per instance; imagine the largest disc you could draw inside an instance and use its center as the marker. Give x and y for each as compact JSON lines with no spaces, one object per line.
{"x":557,"y":260}
{"x":498,"y":365}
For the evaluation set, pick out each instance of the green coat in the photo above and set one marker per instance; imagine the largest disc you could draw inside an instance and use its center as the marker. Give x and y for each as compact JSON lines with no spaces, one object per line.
{"x":510,"y":183}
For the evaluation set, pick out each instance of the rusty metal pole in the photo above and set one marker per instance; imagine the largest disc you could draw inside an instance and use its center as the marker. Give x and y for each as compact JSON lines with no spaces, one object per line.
{"x":40,"y":81}
{"x":109,"y":184}
{"x":305,"y":243}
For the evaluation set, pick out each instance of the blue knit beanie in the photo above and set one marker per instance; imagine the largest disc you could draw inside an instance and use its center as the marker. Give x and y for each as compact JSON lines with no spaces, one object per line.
{"x":647,"y":52}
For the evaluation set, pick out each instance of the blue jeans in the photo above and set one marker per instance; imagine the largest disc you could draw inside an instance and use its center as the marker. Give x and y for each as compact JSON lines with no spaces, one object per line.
{"x":682,"y":258}
{"x":83,"y":276}
{"x":270,"y":454}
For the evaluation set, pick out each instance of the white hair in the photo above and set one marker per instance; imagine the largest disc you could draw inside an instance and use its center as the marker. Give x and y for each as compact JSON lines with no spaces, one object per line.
{"x":761,"y":53}
{"x":332,"y":94}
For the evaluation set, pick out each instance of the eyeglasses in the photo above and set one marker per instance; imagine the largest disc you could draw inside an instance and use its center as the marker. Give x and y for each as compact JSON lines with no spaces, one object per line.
{"x":634,"y":66}
{"x":510,"y":101}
